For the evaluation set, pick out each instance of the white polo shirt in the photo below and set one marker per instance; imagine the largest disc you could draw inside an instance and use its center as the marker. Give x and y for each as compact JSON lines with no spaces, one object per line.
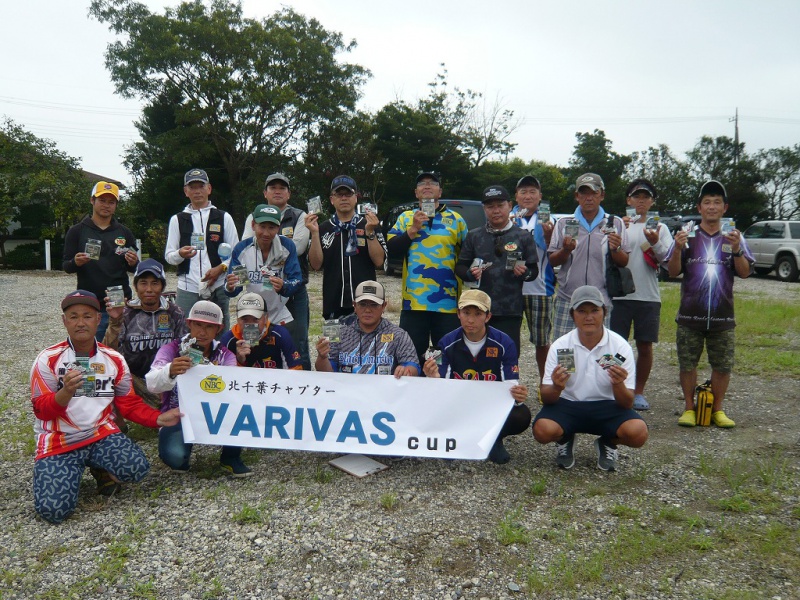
{"x":590,"y":382}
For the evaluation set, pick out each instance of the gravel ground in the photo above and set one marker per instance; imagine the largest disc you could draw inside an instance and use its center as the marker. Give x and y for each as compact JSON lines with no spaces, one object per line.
{"x":423,"y":528}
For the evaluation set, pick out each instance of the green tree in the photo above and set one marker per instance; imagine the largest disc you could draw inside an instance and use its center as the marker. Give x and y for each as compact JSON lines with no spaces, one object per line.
{"x":344,"y":146}
{"x":508,"y":172}
{"x":677,"y":189}
{"x":593,"y":154}
{"x":411,"y":140}
{"x":41,"y":188}
{"x":246,"y":90}
{"x":722,"y":159}
{"x":780,"y":170}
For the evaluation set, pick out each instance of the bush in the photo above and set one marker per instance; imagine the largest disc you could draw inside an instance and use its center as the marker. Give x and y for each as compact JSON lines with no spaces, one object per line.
{"x":30,"y":257}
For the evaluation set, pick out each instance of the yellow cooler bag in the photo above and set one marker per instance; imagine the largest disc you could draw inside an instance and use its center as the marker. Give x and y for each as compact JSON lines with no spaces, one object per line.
{"x":704,"y":403}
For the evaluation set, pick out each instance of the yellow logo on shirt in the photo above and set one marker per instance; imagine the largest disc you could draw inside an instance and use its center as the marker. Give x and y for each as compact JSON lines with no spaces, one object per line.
{"x":386,"y":337}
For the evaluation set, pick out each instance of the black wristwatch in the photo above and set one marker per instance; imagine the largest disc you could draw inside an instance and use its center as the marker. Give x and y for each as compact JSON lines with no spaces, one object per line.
{"x":371,"y":236}
{"x":739,"y":253}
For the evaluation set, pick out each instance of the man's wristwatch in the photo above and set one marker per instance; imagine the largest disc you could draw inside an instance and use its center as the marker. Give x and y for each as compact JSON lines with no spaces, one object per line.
{"x":739,"y":253}
{"x":371,"y":236}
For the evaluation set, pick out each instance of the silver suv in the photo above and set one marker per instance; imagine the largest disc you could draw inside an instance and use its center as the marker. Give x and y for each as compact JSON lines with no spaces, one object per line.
{"x":775,"y":245}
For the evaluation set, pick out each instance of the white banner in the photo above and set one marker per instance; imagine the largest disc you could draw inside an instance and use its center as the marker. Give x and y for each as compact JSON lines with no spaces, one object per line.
{"x":339,"y":412}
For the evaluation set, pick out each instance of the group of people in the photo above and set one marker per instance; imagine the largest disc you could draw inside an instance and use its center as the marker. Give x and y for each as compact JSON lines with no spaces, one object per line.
{"x":82,"y":390}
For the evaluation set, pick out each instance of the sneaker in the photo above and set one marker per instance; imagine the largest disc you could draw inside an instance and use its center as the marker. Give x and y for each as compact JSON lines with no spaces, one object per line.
{"x":564,"y":456}
{"x":498,"y":454}
{"x":688,"y":419}
{"x":720,"y":419}
{"x":106,"y":486}
{"x":640,"y":403}
{"x":606,"y":456}
{"x":236,"y":467}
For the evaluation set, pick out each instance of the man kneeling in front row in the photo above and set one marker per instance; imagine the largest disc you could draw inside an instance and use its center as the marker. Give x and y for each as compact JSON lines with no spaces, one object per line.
{"x":74,"y":387}
{"x":477,"y":351}
{"x":588,"y":385}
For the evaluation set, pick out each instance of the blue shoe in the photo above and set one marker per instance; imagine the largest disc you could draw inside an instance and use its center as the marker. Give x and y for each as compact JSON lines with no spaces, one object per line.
{"x":236,"y":467}
{"x":640,"y":403}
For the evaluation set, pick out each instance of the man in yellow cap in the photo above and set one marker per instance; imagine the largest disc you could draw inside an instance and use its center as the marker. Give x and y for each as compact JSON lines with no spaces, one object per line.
{"x":101,"y":250}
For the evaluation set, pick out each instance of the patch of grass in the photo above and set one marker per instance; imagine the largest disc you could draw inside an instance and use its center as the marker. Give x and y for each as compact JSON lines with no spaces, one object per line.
{"x":323,"y":474}
{"x":461,"y":542}
{"x":144,"y":589}
{"x":389,"y":501}
{"x":671,"y":513}
{"x":215,"y":591}
{"x":538,"y":487}
{"x":248,"y":514}
{"x":624,"y":512}
{"x":735,"y":504}
{"x":510,"y":531}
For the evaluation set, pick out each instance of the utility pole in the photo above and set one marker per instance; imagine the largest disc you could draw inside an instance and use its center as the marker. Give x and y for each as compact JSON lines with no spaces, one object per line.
{"x":735,"y":120}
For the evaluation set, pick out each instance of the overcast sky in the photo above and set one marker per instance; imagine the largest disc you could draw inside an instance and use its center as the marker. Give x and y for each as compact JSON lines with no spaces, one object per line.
{"x":644,"y":72}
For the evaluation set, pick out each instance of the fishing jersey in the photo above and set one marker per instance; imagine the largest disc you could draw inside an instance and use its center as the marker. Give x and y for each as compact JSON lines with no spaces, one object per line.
{"x":275,"y":349}
{"x":495,"y":361}
{"x":378,"y":352}
{"x":158,"y":379}
{"x":139,"y":333}
{"x":429,"y":260}
{"x":586,"y":264}
{"x":707,"y":286}
{"x":341,"y":274}
{"x":85,"y":419}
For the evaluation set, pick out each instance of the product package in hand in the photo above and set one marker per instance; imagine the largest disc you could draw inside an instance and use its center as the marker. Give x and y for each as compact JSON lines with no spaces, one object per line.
{"x":314,"y":205}
{"x":435,"y":354}
{"x":566,"y":358}
{"x":608,"y":360}
{"x":331,"y":329}
{"x":192,"y":350}
{"x":251,"y":333}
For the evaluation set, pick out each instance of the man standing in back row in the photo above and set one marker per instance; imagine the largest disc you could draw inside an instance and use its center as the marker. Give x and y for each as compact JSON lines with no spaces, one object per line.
{"x":509,"y":255}
{"x":705,"y":317}
{"x":347,"y":248}
{"x":537,"y":295}
{"x":108,"y":265}
{"x":429,"y":246}
{"x":583,"y":258}
{"x":277,"y":192}
{"x":193,"y":241}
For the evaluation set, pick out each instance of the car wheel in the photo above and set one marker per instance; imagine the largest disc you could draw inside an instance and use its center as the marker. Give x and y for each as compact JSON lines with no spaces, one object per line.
{"x":762,"y":271}
{"x":786,"y":269}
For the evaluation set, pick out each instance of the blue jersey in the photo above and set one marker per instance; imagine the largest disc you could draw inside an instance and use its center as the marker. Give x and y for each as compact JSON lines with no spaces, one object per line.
{"x":497,"y":360}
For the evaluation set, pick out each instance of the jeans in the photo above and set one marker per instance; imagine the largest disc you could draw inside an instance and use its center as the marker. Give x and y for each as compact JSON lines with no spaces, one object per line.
{"x":101,"y":329}
{"x":298,"y":327}
{"x":175,"y":453}
{"x":186,"y":300}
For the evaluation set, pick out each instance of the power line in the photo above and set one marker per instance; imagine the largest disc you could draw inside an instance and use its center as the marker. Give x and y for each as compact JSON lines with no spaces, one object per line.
{"x":79,"y":108}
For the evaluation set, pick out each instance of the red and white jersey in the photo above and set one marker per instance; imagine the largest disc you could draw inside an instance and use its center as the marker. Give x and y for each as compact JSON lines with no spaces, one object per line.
{"x":85,"y":419}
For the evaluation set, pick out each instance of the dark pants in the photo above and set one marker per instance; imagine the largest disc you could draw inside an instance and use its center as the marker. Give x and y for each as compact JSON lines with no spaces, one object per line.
{"x":426,"y":328}
{"x":298,"y":327}
{"x":517,"y":421}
